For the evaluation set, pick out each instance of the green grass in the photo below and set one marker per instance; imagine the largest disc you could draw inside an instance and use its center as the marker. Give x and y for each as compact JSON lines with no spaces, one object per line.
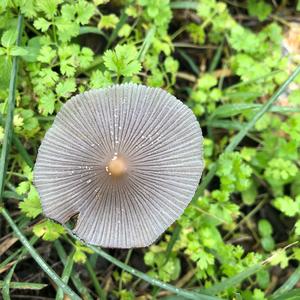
{"x":39,"y":260}
{"x":8,"y":132}
{"x":205,"y":181}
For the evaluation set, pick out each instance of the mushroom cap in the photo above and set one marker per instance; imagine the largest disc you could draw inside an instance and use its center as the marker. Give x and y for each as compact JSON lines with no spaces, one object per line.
{"x":150,"y":132}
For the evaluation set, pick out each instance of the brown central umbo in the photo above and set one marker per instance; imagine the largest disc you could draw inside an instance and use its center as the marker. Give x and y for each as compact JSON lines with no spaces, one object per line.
{"x":116,"y":167}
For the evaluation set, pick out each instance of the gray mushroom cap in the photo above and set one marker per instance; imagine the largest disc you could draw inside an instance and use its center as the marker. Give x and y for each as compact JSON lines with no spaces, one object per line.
{"x":156,"y":139}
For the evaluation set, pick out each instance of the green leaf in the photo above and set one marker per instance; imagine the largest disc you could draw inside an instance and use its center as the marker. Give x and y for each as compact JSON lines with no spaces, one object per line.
{"x":259,"y":9}
{"x":66,"y":29}
{"x":48,"y":230}
{"x":30,"y":123}
{"x":108,"y":21}
{"x":294,"y":97}
{"x":65,"y":88}
{"x":4,"y":4}
{"x":9,"y":38}
{"x":258,"y":295}
{"x":268,"y":243}
{"x":233,"y":172}
{"x":125,"y":30}
{"x":263,"y":278}
{"x":264,"y":227}
{"x":280,"y":171}
{"x":48,"y":78}
{"x":287,"y":205}
{"x":28,"y":8}
{"x":31,"y":206}
{"x":46,"y":104}
{"x":279,"y":257}
{"x":123,"y":60}
{"x":80,"y":252}
{"x":33,"y":49}
{"x":207,"y":81}
{"x":197,"y":33}
{"x":156,"y":78}
{"x":263,"y":123}
{"x":249,"y":195}
{"x":171,"y":65}
{"x":149,"y":258}
{"x":5,"y":70}
{"x":23,"y":187}
{"x":85,"y":57}
{"x":242,"y":39}
{"x":84,"y":11}
{"x":41,"y":24}
{"x":18,"y":51}
{"x":46,"y":55}
{"x":49,"y":7}
{"x":100,"y":79}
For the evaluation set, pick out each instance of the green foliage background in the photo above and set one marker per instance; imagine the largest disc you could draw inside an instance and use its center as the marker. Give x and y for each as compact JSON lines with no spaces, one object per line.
{"x":238,"y":239}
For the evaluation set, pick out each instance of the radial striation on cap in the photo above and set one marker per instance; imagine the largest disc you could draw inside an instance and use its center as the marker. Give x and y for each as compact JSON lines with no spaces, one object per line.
{"x":127,"y":159}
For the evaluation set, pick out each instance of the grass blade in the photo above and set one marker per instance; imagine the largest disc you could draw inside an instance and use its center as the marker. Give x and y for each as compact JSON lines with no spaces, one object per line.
{"x":181,"y":292}
{"x":146,"y":44}
{"x":265,"y":108}
{"x":12,"y":195}
{"x":113,"y":36}
{"x":290,"y":295}
{"x":21,"y":252}
{"x":288,"y":285}
{"x":24,"y":285}
{"x":254,"y":80}
{"x":143,"y":50}
{"x":21,"y":149}
{"x":46,"y":268}
{"x":91,"y":29}
{"x":6,"y":283}
{"x":226,"y":124}
{"x":74,"y":276}
{"x":217,"y":57}
{"x":65,"y":276}
{"x":171,"y":244}
{"x":230,"y":110}
{"x":129,"y":253}
{"x":233,"y":281}
{"x":100,"y":292}
{"x":190,"y":62}
{"x":10,"y":112}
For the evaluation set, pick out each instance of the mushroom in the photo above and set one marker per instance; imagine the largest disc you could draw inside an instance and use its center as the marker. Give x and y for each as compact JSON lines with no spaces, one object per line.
{"x":125,"y":159}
